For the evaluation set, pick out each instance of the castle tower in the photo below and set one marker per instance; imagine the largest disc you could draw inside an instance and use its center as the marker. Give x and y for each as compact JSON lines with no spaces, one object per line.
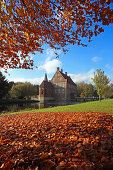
{"x":46,"y":90}
{"x":45,"y":79}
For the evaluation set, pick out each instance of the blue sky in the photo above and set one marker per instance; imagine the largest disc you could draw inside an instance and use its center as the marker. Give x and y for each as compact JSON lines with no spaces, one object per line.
{"x":79,"y":62}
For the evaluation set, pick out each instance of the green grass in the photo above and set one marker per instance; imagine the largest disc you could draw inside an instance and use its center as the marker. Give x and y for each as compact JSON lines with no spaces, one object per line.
{"x":96,"y":106}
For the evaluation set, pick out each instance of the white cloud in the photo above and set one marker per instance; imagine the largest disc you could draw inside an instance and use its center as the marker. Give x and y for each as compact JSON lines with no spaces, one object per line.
{"x":32,"y":81}
{"x":2,"y":70}
{"x":51,"y":64}
{"x":112,"y":80}
{"x":86,"y":77}
{"x":10,"y":70}
{"x":109,"y":67}
{"x":50,"y":54}
{"x":96,"y":59}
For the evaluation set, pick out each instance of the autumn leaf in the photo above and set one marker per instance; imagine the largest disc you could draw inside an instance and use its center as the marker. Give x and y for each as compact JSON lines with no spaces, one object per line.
{"x":3,"y":4}
{"x":56,"y":140}
{"x":27,"y":25}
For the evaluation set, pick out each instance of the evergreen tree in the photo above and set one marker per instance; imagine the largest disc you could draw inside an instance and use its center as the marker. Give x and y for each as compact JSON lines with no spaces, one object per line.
{"x":4,"y":86}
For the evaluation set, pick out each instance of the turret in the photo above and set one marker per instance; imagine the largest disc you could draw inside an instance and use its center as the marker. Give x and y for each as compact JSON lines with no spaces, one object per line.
{"x":45,"y":79}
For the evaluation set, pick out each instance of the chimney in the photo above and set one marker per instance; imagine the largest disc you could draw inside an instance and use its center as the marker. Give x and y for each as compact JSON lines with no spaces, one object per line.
{"x":57,"y":68}
{"x":61,"y":70}
{"x":66,"y":73}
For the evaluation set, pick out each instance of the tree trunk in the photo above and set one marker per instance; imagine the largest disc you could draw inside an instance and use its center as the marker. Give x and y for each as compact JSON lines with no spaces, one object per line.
{"x":99,"y":98}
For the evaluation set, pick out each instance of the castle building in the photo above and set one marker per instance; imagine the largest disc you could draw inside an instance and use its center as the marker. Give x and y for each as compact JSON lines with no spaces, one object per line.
{"x":60,"y":87}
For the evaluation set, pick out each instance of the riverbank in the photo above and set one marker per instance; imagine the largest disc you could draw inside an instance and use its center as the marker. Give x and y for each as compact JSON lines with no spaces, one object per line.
{"x":31,"y":105}
{"x":105,"y":106}
{"x":16,"y":101}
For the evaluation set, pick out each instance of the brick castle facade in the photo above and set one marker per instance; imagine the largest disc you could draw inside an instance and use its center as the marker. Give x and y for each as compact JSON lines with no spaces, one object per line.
{"x":60,"y":87}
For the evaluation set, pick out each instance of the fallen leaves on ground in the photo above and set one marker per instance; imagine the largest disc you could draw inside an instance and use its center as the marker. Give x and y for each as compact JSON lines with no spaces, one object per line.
{"x":56,"y":141}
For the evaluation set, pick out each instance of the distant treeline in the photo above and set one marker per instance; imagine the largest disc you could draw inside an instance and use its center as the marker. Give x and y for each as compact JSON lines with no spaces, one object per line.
{"x":10,"y":91}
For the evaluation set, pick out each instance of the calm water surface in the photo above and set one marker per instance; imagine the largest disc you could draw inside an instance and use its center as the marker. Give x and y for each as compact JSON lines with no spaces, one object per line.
{"x":36,"y":105}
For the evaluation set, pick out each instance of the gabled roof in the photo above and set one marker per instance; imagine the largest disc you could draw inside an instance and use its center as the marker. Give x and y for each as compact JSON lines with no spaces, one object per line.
{"x":65,"y":76}
{"x":46,"y":84}
{"x":68,"y":78}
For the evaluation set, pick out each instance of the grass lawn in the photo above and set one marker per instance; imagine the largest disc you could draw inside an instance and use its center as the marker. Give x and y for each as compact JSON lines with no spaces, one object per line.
{"x":95,"y":106}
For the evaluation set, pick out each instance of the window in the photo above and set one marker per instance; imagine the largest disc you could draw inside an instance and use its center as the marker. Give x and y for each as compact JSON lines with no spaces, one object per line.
{"x":58,"y":84}
{"x":41,"y":91}
{"x":62,"y":90}
{"x":58,"y":90}
{"x":62,"y":84}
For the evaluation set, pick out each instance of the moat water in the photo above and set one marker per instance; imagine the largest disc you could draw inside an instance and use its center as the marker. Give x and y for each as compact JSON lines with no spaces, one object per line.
{"x":4,"y":108}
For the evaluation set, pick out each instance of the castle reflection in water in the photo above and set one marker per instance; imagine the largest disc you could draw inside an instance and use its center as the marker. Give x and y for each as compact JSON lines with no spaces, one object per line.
{"x":29,"y":106}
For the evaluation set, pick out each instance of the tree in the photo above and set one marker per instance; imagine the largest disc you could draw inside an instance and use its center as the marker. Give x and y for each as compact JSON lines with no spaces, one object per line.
{"x":109,"y":91}
{"x":23,"y":90}
{"x":101,"y":82}
{"x":80,"y":89}
{"x":85,"y":90}
{"x":4,"y":86}
{"x":89,"y":90}
{"x":27,"y":25}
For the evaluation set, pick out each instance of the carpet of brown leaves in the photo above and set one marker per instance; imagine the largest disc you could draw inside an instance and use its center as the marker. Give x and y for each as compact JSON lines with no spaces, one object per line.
{"x":56,"y":141}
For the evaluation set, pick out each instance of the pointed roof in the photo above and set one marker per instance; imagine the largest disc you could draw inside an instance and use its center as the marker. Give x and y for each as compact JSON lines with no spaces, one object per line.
{"x":65,"y":76}
{"x":68,"y":78}
{"x":45,"y":79}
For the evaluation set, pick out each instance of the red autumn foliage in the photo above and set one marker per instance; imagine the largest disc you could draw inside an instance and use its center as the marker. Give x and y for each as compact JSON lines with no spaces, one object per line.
{"x":27,"y":25}
{"x":56,"y":141}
